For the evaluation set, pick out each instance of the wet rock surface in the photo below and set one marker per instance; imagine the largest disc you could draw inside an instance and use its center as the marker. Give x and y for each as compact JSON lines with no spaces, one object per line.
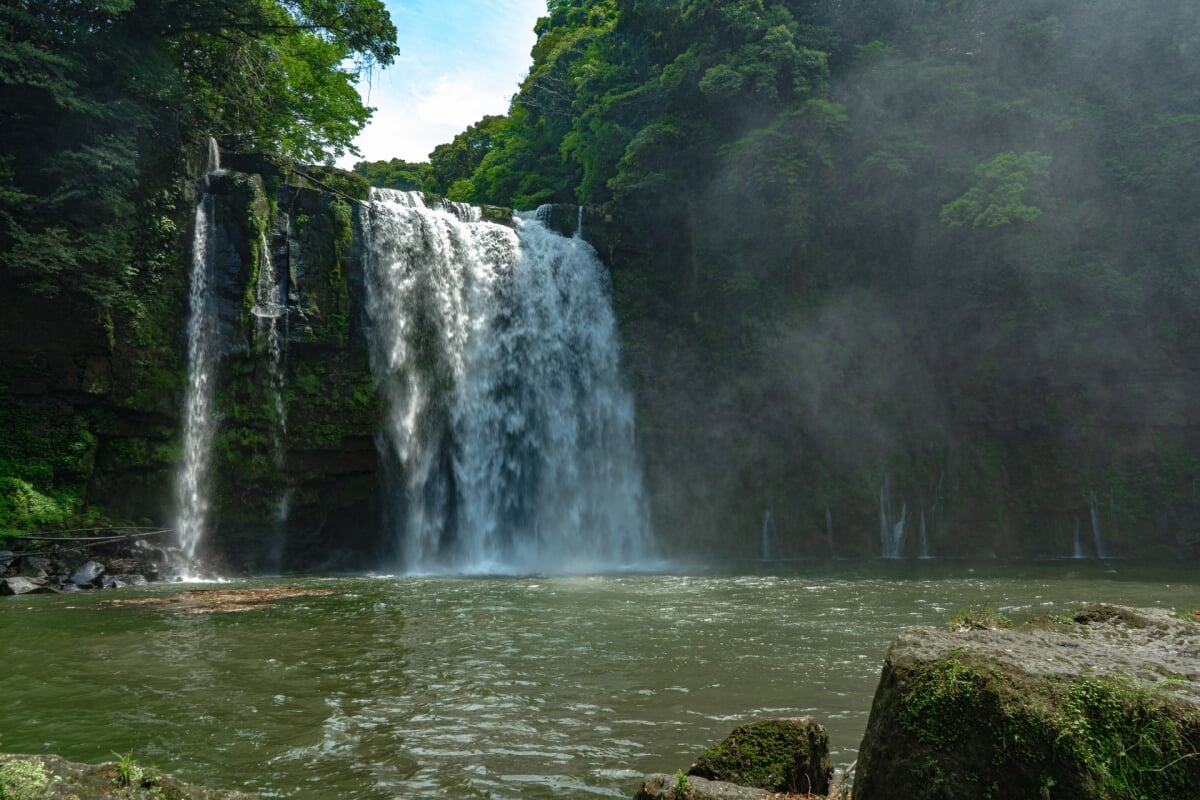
{"x":88,"y":573}
{"x":660,"y":786}
{"x":18,"y":584}
{"x":71,"y":565}
{"x":50,"y":777}
{"x":1103,"y":703}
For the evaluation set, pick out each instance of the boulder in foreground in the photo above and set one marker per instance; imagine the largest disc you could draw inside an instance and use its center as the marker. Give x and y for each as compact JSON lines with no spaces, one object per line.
{"x":1101,"y":705}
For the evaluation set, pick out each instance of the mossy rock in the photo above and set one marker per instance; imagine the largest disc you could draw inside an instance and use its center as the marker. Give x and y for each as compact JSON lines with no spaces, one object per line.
{"x":780,"y":755}
{"x":50,"y":777}
{"x":497,"y":214}
{"x":348,"y":184}
{"x":1103,"y":613}
{"x":1103,"y":704}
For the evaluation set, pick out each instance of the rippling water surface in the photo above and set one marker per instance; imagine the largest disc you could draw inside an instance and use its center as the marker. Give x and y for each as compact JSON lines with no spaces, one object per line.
{"x":530,"y":687}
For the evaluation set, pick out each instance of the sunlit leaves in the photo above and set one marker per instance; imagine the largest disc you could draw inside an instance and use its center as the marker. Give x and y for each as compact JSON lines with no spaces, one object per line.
{"x":1000,"y":198}
{"x":96,"y":98}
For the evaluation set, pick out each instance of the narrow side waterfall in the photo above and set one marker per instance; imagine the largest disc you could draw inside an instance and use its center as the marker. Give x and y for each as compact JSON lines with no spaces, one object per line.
{"x":191,"y":483}
{"x":768,"y":528}
{"x":509,"y":436}
{"x":891,"y":531}
{"x":924,"y":554}
{"x":829,"y":532}
{"x":270,"y":314}
{"x":1097,"y":540}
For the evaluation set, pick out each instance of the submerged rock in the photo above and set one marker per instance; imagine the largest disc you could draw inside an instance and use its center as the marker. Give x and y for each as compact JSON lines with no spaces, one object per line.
{"x":1102,"y":704}
{"x":87,"y":574}
{"x":779,"y":755}
{"x":660,"y":786}
{"x":50,"y":777}
{"x":121,"y":581}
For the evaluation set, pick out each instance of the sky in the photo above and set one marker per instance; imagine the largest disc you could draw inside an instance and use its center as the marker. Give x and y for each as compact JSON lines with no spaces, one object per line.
{"x":459,"y":60}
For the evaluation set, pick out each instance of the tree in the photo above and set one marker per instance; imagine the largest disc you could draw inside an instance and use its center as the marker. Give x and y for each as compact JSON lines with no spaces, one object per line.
{"x":394,"y":174}
{"x":97,"y":98}
{"x":457,"y":161}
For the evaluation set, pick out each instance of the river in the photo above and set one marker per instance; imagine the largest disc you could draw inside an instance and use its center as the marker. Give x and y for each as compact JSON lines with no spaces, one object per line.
{"x":530,"y":687}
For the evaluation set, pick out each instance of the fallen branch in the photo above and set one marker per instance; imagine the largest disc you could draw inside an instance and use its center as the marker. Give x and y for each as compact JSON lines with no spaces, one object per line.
{"x":84,"y":542}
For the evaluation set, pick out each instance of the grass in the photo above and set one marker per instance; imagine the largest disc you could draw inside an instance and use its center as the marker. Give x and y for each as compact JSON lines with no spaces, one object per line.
{"x":978,"y":618}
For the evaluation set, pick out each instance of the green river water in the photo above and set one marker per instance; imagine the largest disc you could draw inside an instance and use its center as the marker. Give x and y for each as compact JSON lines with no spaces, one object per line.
{"x":533,"y":687}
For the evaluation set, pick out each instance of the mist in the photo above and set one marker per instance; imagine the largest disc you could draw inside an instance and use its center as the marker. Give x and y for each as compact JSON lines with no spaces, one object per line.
{"x":980,"y":287}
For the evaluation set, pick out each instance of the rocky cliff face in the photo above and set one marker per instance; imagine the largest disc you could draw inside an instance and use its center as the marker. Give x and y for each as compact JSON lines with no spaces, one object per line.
{"x":864,"y":416}
{"x":839,"y":439}
{"x":296,"y":474}
{"x":90,"y":399}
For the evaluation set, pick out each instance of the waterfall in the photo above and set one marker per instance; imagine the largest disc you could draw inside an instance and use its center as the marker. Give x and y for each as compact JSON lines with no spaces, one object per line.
{"x":270,"y":315}
{"x":508,"y":433}
{"x":214,"y":157}
{"x":1098,"y":543}
{"x":829,"y":531}
{"x":199,"y":424}
{"x":891,"y":533}
{"x":768,"y":528}
{"x":924,"y":539}
{"x":1077,"y":552}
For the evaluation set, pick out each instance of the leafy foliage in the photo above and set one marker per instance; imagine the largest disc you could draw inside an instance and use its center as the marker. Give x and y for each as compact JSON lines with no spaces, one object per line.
{"x":394,"y":174}
{"x":96,"y":99}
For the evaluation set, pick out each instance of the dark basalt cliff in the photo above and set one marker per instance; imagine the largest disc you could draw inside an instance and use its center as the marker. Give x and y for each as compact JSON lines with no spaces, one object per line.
{"x":91,"y":404}
{"x":327,"y":471}
{"x":810,"y":450}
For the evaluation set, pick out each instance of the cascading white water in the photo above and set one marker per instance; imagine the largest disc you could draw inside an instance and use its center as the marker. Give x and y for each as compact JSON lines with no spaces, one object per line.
{"x":214,"y":157}
{"x":924,"y":554}
{"x":508,"y":430}
{"x":191,"y":496}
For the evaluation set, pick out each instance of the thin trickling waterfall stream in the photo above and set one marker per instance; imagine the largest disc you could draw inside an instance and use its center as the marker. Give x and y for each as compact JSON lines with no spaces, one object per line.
{"x":191,"y":489}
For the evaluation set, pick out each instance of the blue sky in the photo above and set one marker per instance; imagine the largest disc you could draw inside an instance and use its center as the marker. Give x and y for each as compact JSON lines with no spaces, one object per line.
{"x":459,"y":60}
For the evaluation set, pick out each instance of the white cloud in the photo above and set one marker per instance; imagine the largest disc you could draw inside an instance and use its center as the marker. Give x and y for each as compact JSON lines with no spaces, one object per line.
{"x":458,"y":61}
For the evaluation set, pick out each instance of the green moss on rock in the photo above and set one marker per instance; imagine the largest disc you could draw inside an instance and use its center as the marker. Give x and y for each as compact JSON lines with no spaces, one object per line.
{"x":1097,"y":706}
{"x":22,"y":779}
{"x":50,"y":777}
{"x":782,"y":755}
{"x":349,"y":184}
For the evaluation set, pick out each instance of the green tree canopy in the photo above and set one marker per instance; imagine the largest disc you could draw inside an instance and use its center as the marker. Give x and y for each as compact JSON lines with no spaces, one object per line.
{"x":96,"y":99}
